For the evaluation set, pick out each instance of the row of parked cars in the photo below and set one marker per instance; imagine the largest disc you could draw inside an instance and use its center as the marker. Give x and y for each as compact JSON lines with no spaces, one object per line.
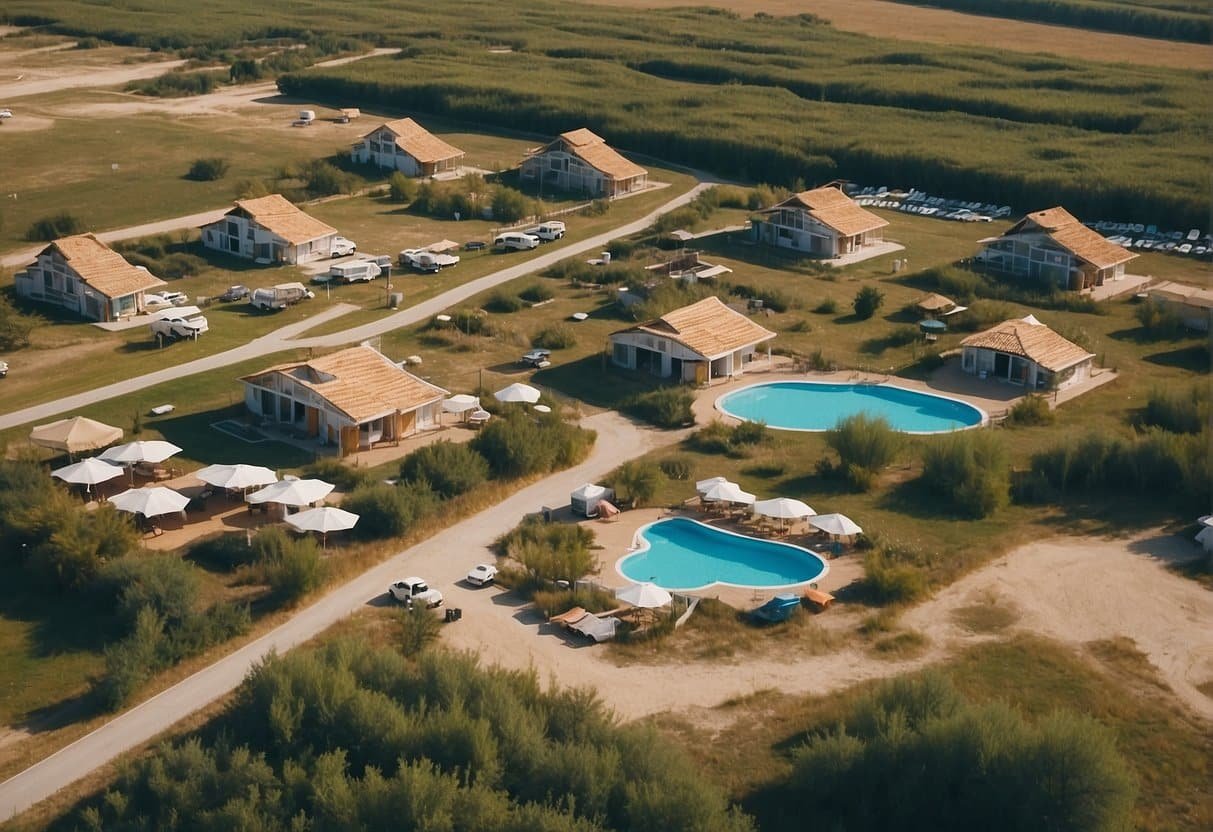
{"x":415,"y":590}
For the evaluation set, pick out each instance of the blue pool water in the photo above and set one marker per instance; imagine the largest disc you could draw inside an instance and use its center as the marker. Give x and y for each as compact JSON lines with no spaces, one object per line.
{"x":810,"y":405}
{"x":685,"y":555}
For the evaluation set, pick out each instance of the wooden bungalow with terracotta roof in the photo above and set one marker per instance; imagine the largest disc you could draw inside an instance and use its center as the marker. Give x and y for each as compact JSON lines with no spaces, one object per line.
{"x":270,"y":229}
{"x":697,"y":343}
{"x":87,"y":277}
{"x":1024,"y":351}
{"x":355,"y":398}
{"x":823,"y":222}
{"x":1054,"y":249}
{"x":406,"y":146}
{"x":581,"y":162}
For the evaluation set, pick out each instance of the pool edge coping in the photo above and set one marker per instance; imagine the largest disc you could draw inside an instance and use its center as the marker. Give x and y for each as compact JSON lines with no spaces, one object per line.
{"x":638,"y":549}
{"x":985,"y":417}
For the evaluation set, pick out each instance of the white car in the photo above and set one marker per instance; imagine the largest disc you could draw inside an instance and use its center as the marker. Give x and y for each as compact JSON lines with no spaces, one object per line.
{"x":6,"y":113}
{"x":176,"y":298}
{"x":342,"y":247}
{"x":180,"y":326}
{"x":152,"y":300}
{"x":516,"y":241}
{"x":3,"y":369}
{"x":482,"y":574}
{"x":415,"y":591}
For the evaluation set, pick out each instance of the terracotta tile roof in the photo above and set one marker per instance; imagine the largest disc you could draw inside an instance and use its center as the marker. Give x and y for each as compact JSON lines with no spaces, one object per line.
{"x":834,"y":209}
{"x":101,"y":267}
{"x":595,"y":152}
{"x":1031,"y":339}
{"x":1064,"y":229}
{"x":359,"y":382}
{"x":280,"y":216}
{"x":707,"y":327}
{"x":1182,"y":293}
{"x":418,"y":142}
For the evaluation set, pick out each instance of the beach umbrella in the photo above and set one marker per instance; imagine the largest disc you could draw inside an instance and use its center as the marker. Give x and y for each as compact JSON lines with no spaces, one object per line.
{"x":88,"y":472}
{"x":835,"y":524}
{"x":783,"y":508}
{"x":517,"y":392}
{"x":932,"y":325}
{"x":237,"y":476}
{"x":293,"y":492}
{"x":647,"y":595}
{"x":460,"y":403}
{"x":75,"y":435}
{"x":144,"y":450}
{"x":150,"y":502}
{"x":728,"y":492}
{"x":704,"y":485}
{"x":324,"y":520}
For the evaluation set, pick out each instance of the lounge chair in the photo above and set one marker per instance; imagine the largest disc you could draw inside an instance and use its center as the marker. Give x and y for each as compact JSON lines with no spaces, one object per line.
{"x":818,"y":601}
{"x":599,"y":629}
{"x":567,"y":619}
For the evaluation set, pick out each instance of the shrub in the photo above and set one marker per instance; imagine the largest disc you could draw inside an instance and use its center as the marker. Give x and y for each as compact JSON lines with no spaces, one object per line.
{"x":76,"y":545}
{"x":293,"y":568}
{"x":389,"y":510}
{"x":888,"y":581}
{"x":503,"y":302}
{"x":471,"y":322}
{"x":638,"y":480}
{"x":130,"y":662}
{"x":536,"y":293}
{"x":178,"y":84}
{"x":449,"y":468}
{"x":510,"y":205}
{"x":865,"y":445}
{"x":1158,"y":321}
{"x":558,"y":601}
{"x":665,"y":407}
{"x":970,"y":470}
{"x":518,"y":445}
{"x":207,"y":170}
{"x":54,"y":227}
{"x":677,"y":468}
{"x":401,"y":188}
{"x":162,"y":582}
{"x":714,"y":438}
{"x":829,"y":306}
{"x":867,"y":301}
{"x":15,"y":327}
{"x":322,"y":178}
{"x":555,"y":337}
{"x":1177,"y":411}
{"x":343,"y":475}
{"x":818,"y":362}
{"x":1031,"y":410}
{"x":419,"y":628}
{"x":750,"y":433}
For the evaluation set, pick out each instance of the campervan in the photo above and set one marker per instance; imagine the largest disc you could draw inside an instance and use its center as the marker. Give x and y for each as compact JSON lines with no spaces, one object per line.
{"x":360,"y":271}
{"x":515,"y":240}
{"x":280,"y":296}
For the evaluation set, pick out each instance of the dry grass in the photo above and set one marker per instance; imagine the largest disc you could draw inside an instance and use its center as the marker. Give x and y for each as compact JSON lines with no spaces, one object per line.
{"x":988,"y":616}
{"x":915,"y":23}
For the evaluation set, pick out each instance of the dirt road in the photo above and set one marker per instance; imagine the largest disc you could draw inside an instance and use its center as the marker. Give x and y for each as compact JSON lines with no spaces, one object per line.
{"x":49,"y":80}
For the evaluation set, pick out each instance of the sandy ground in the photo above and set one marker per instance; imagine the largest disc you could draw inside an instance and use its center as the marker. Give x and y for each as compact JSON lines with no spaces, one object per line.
{"x":916,"y":23}
{"x":53,"y":79}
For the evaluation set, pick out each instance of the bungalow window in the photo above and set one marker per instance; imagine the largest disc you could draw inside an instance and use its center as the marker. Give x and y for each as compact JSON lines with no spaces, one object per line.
{"x":619,"y":354}
{"x":48,"y":282}
{"x":554,"y":163}
{"x":69,"y":286}
{"x":233,"y":230}
{"x":249,"y":233}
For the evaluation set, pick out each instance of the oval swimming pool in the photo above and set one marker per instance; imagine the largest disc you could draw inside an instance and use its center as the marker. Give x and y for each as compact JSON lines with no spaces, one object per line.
{"x":685,"y":555}
{"x":816,"y":406}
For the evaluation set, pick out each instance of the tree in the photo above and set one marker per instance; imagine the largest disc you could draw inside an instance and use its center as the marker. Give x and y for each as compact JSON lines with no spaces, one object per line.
{"x":639,"y":480}
{"x":865,"y":445}
{"x":419,"y":628}
{"x":867,"y":301}
{"x":401,"y":188}
{"x":970,"y":469}
{"x":450,"y":468}
{"x":207,"y":170}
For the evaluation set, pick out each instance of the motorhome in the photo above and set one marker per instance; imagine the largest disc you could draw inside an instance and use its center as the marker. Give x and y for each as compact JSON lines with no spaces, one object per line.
{"x":515,"y":240}
{"x":280,"y":296}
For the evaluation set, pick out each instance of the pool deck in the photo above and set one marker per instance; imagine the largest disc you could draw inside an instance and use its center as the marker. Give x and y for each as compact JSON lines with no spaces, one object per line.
{"x":617,"y":536}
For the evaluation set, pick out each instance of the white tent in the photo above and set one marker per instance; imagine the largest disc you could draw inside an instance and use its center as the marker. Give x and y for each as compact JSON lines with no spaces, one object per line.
{"x":293,"y":492}
{"x":74,"y":435}
{"x":585,"y":500}
{"x":835,"y":524}
{"x":324,"y":520}
{"x":88,"y":472}
{"x":150,"y":502}
{"x":728,"y":492}
{"x":646,"y":594}
{"x":150,"y":450}
{"x":237,"y":476}
{"x":517,"y":392}
{"x":704,"y":485}
{"x":783,"y":508}
{"x":460,"y":403}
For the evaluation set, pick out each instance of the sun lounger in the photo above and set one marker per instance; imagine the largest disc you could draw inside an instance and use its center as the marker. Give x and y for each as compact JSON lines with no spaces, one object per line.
{"x":817,"y":600}
{"x":599,"y":629}
{"x":569,"y":618}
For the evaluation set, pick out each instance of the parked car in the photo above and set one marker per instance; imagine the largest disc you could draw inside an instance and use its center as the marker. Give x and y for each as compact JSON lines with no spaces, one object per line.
{"x":342,"y":247}
{"x":482,"y":574}
{"x":153,"y":300}
{"x":547,"y":231}
{"x":176,"y":298}
{"x":180,"y":326}
{"x":516,"y":241}
{"x":238,"y":292}
{"x":424,"y":260}
{"x":475,"y":245}
{"x":415,"y":591}
{"x":3,"y":369}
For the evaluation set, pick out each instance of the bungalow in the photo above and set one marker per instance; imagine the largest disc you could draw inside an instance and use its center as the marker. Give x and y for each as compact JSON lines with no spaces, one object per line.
{"x":698,"y":343}
{"x":1193,"y":306}
{"x":1026,"y":352}
{"x":823,"y":222}
{"x":353,"y":399}
{"x":1053,"y":248}
{"x":408,"y":147}
{"x":87,"y":277}
{"x":270,"y":229}
{"x":581,"y":161}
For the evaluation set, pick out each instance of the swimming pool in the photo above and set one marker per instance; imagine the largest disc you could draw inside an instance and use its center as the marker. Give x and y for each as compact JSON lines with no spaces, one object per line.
{"x":685,"y":555}
{"x":816,"y":406}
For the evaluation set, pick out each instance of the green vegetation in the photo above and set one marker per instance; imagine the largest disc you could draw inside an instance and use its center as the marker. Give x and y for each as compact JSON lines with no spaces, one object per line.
{"x":1171,"y":19}
{"x":1030,"y":411}
{"x":1178,"y":411}
{"x":555,"y":337}
{"x":401,"y":188}
{"x":865,"y":445}
{"x":348,"y":736}
{"x":449,"y":468}
{"x":735,"y":440}
{"x":637,"y":481}
{"x":890,"y":579}
{"x":419,"y":628}
{"x":52,"y":228}
{"x":208,"y":170}
{"x":389,"y":510}
{"x":867,"y":301}
{"x":665,"y":407}
{"x":1159,"y":322}
{"x":518,"y":443}
{"x":545,"y":553}
{"x":179,"y":83}
{"x":970,"y":469}
{"x":15,"y":326}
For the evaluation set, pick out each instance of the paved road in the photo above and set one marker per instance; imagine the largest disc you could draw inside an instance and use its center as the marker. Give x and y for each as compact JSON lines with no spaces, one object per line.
{"x":286,"y":338}
{"x":618,"y":439}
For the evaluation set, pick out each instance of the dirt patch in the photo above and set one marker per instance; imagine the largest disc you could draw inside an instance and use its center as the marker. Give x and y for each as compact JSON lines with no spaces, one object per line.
{"x":25,"y":124}
{"x":917,"y":23}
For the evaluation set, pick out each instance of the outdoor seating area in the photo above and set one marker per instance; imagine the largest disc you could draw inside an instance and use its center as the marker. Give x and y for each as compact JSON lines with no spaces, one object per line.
{"x":779,"y":517}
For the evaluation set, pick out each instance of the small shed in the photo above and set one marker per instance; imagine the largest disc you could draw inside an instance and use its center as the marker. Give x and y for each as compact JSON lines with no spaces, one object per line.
{"x":585,"y":500}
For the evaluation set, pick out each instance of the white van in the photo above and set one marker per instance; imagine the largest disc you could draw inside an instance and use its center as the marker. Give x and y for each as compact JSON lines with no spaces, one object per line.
{"x":360,"y":271}
{"x":548,"y":231}
{"x":515,"y":240}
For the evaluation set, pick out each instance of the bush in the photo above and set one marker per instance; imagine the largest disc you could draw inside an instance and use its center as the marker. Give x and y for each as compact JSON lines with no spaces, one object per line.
{"x":297,"y":571}
{"x":518,"y":445}
{"x":449,"y":468}
{"x":54,"y":227}
{"x":555,"y":337}
{"x":867,"y":301}
{"x":829,"y":306}
{"x":322,"y":178}
{"x":865,"y":445}
{"x":15,"y":328}
{"x":510,"y":205}
{"x":163,"y":583}
{"x":419,"y":628}
{"x":638,"y":480}
{"x":129,"y":663}
{"x":1158,"y":321}
{"x":536,"y":293}
{"x":677,"y":468}
{"x":389,"y":510}
{"x":503,"y":302}
{"x":750,"y":433}
{"x":401,"y":188}
{"x":178,"y":84}
{"x":76,"y":544}
{"x":207,"y":170}
{"x":471,"y":322}
{"x":1032,"y":410}
{"x":970,"y":470}
{"x":559,"y":601}
{"x":345,"y":476}
{"x":1177,"y":411}
{"x":665,"y":407}
{"x":888,"y":581}
{"x":714,"y":438}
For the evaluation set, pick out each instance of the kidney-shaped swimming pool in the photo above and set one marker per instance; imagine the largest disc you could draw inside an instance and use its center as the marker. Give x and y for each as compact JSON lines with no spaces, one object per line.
{"x":686,"y":555}
{"x":816,"y":406}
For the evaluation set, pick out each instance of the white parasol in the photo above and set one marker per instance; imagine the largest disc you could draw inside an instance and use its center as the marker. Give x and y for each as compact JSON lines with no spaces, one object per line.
{"x":460,"y":403}
{"x":149,"y":450}
{"x":835,"y":524}
{"x":704,"y":485}
{"x":517,"y":392}
{"x":150,"y":502}
{"x":88,"y":472}
{"x":238,"y":476}
{"x":783,"y":508}
{"x":324,"y":520}
{"x":728,"y":492}
{"x":293,"y":492}
{"x":647,"y":595}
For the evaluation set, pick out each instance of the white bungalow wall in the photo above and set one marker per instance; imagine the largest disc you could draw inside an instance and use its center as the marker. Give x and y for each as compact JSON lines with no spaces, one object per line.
{"x":242,"y":237}
{"x":380,"y":149}
{"x":628,"y":350}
